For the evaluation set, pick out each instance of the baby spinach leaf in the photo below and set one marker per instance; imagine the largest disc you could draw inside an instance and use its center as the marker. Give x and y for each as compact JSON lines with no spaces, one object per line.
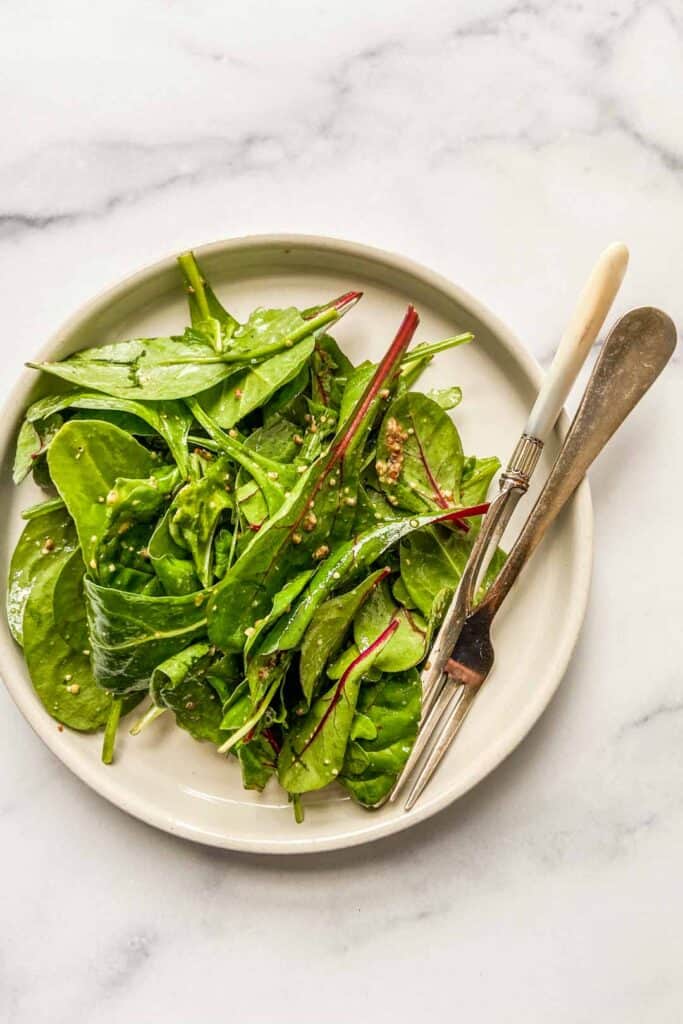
{"x":171,"y":420}
{"x":150,"y":369}
{"x":131,"y":634}
{"x":86,"y":458}
{"x":373,"y":508}
{"x":273,"y":478}
{"x":401,"y":594}
{"x":62,"y":677}
{"x":68,"y":608}
{"x":408,"y":645}
{"x":285,"y":399}
{"x":180,"y":683}
{"x":383,"y":733}
{"x":170,"y":561}
{"x":250,"y":704}
{"x":41,"y":508}
{"x":196,"y":512}
{"x":419,"y":455}
{"x":237,"y":707}
{"x":258,"y":761}
{"x":43,"y":541}
{"x":251,"y":387}
{"x":328,"y":628}
{"x":313,"y":751}
{"x":430,"y":561}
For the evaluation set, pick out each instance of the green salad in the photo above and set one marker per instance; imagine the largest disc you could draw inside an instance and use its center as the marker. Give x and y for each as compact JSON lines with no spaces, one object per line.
{"x":249,"y":533}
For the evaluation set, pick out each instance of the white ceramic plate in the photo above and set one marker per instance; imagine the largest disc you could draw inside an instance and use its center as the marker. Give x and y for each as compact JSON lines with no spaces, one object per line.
{"x":177,"y":784}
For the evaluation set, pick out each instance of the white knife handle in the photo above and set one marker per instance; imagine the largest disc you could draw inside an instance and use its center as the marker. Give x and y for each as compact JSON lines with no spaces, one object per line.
{"x":588,"y":317}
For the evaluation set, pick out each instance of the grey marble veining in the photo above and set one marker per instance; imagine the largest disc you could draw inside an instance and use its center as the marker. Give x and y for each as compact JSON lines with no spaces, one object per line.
{"x":503,"y":143}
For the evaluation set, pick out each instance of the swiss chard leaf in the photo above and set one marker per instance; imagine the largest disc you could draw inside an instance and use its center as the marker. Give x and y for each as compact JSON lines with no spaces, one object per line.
{"x":329,"y":626}
{"x":407,"y":646}
{"x":419,"y":455}
{"x":383,"y":734}
{"x":313,"y":752}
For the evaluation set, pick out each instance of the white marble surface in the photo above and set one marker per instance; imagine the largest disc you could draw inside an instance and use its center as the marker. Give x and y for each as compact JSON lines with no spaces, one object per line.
{"x":502,"y":143}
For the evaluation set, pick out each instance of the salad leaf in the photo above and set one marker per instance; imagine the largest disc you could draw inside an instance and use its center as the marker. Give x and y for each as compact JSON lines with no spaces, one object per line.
{"x":447,"y":398}
{"x":433,"y":560}
{"x":86,"y":459}
{"x":258,"y":760}
{"x":68,"y":608}
{"x":171,"y":562}
{"x":180,"y":683}
{"x":43,"y":541}
{"x":313,"y":752}
{"x":171,"y":420}
{"x":62,"y":677}
{"x":477,"y":475}
{"x":130,"y":634}
{"x":408,"y":645}
{"x":329,"y":626}
{"x":419,"y":455}
{"x":247,"y":389}
{"x":382,"y":735}
{"x":33,"y":441}
{"x":149,"y":369}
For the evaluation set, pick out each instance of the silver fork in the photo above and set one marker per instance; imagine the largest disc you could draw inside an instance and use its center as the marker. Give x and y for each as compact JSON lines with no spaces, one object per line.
{"x":583,"y":327}
{"x":636,"y":351}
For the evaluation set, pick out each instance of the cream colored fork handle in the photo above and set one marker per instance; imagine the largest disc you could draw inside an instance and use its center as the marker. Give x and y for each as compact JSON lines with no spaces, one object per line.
{"x":581,"y":332}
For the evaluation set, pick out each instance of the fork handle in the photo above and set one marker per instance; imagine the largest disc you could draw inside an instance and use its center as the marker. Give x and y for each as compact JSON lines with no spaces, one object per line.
{"x":588,"y":316}
{"x":635,"y":353}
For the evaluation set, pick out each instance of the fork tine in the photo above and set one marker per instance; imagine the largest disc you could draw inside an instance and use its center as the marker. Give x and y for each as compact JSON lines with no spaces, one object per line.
{"x":450,"y":727}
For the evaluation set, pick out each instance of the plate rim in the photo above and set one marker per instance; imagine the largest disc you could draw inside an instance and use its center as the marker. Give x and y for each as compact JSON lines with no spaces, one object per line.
{"x":104,"y":784}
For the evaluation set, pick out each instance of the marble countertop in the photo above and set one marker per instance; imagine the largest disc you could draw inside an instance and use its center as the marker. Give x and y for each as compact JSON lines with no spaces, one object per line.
{"x":503,"y":144}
